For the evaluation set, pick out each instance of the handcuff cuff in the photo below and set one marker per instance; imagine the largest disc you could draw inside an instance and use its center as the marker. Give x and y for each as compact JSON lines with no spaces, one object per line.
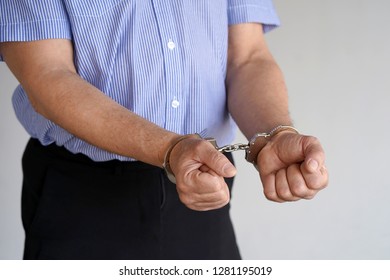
{"x":252,"y":149}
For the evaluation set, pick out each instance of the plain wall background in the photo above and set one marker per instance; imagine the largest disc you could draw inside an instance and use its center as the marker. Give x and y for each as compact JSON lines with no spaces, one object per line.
{"x":335,"y":57}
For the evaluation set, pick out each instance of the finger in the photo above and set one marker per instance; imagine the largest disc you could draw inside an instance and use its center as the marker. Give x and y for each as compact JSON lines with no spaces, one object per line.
{"x":204,"y":168}
{"x":198,"y":183}
{"x":297,"y":183}
{"x":269,"y":188}
{"x":206,"y":182}
{"x":203,"y":197}
{"x":282,"y":186}
{"x":207,"y":206}
{"x":202,"y":203}
{"x":216,"y":198}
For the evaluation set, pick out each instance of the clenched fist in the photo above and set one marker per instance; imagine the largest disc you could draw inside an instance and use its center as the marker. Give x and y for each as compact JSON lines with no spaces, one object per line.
{"x":292,"y":167}
{"x":200,"y":170}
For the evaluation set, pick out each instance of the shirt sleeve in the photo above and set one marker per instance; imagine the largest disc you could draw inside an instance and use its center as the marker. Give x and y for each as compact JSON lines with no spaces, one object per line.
{"x":261,"y":11}
{"x":29,"y":20}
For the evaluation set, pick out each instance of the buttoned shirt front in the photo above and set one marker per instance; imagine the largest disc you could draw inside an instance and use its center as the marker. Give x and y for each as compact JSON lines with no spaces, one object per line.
{"x":164,"y":60}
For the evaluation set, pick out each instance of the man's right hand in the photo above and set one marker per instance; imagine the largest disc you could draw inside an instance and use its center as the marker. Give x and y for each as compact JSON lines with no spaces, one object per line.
{"x":200,"y":170}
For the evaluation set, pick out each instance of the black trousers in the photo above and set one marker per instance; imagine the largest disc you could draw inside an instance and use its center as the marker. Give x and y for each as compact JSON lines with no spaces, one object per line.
{"x":75,"y":208}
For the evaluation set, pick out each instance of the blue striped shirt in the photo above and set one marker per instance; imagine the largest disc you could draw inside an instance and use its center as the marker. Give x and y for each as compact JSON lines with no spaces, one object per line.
{"x":165,"y":60}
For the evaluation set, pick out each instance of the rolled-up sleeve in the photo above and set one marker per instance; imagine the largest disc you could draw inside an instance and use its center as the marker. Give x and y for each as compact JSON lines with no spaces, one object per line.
{"x":261,"y":11}
{"x":29,"y":20}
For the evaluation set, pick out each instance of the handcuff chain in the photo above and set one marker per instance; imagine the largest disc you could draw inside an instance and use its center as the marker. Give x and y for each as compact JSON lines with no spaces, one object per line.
{"x":233,"y":148}
{"x":251,"y":149}
{"x":227,"y":148}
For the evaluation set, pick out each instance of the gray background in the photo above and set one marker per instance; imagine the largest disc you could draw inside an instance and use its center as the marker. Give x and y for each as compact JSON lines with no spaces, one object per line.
{"x":335,"y":57}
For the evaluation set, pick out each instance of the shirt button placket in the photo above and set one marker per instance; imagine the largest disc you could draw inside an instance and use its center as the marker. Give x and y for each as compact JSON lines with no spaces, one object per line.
{"x":174,"y":114}
{"x":172,"y":64}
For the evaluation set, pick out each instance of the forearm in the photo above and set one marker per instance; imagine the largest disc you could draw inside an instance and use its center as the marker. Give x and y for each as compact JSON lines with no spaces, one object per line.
{"x":84,"y":111}
{"x":46,"y":71}
{"x":257,"y":95}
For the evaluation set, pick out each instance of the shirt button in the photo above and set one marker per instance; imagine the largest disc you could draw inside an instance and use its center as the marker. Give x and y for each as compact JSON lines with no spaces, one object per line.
{"x":175,"y":103}
{"x":171,"y":45}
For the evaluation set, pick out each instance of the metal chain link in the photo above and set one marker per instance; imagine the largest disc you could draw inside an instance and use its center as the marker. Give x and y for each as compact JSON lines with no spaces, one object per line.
{"x":228,"y":148}
{"x":233,"y":148}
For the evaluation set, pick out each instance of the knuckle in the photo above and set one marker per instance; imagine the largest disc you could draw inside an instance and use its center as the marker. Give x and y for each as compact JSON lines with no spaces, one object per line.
{"x":215,"y":182}
{"x":310,"y":197}
{"x":224,"y":203}
{"x":314,"y":184}
{"x":198,"y":206}
{"x":221,"y":196}
{"x":317,"y":183}
{"x":325,"y":181}
{"x":312,"y":141}
{"x":221,"y":203}
{"x":272,"y":196}
{"x":307,"y":139}
{"x":299,"y":190}
{"x":225,"y":197}
{"x":284,"y":193}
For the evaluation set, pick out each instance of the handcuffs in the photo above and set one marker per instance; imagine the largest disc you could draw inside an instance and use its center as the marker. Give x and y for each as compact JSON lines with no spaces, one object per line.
{"x":252,"y":149}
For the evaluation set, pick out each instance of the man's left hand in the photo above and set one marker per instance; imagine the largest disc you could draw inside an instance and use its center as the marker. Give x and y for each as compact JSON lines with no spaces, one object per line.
{"x":292,"y":167}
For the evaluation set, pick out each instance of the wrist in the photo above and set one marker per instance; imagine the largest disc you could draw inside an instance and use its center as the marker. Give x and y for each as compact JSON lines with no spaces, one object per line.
{"x":166,"y":163}
{"x":260,"y":140}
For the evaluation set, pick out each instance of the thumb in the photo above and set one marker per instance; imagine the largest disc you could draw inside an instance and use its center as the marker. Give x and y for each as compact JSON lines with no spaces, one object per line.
{"x":314,"y":155}
{"x":216,"y":161}
{"x":313,"y":168}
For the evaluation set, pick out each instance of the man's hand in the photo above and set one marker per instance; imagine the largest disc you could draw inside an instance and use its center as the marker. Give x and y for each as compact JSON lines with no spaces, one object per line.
{"x":200,"y":170}
{"x":292,"y":167}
